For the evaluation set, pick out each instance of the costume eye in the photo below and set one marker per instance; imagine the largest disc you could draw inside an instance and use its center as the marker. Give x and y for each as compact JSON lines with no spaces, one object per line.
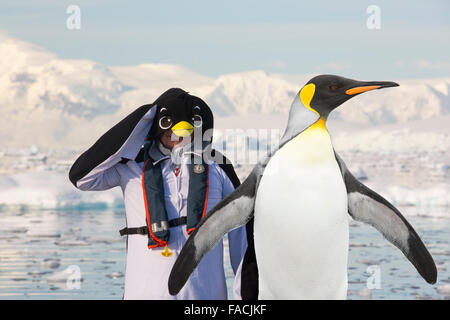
{"x":165,"y":122}
{"x":197,"y":119}
{"x":333,"y":87}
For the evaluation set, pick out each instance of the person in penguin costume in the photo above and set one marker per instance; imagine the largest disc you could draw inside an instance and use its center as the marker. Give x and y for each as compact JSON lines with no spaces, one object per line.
{"x":161,"y":157}
{"x":297,"y":200}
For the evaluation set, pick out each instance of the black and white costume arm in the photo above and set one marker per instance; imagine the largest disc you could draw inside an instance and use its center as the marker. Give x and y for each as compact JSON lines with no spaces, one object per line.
{"x":367,"y":206}
{"x":94,"y":169}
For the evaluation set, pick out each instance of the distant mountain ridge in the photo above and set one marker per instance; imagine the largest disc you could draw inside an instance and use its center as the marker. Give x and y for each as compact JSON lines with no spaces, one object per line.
{"x":62,"y":101}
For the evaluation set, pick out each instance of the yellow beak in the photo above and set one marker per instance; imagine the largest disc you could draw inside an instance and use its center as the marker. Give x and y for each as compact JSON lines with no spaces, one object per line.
{"x":183,"y":129}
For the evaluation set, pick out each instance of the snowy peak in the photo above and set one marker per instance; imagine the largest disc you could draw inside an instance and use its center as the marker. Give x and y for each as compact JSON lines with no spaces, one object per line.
{"x":67,"y":101}
{"x":413,"y":100}
{"x":17,"y":54}
{"x":250,"y":92}
{"x":34,"y":82}
{"x":159,"y":75}
{"x":258,"y":92}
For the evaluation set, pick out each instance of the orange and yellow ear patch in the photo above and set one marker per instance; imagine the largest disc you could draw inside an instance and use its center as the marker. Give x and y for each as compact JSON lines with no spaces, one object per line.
{"x":307,"y":94}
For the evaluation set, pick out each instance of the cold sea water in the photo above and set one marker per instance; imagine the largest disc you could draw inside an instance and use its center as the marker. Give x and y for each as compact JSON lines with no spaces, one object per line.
{"x":78,"y":254}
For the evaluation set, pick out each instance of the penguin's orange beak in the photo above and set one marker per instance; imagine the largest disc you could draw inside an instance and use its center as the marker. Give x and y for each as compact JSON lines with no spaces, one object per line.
{"x":357,"y":90}
{"x":368,"y":86}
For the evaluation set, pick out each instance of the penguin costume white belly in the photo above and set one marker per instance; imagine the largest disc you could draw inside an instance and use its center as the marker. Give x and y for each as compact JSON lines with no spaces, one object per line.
{"x":299,"y":196}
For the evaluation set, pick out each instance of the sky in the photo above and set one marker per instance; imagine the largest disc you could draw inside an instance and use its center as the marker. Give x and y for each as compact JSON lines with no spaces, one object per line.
{"x":219,"y":37}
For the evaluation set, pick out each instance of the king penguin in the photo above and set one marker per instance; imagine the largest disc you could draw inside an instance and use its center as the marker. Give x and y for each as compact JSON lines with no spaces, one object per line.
{"x":300,"y":196}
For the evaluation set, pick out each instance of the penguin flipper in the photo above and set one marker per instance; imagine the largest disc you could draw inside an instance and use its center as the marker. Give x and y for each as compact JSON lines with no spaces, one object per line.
{"x":369,"y":207}
{"x":230,"y":213}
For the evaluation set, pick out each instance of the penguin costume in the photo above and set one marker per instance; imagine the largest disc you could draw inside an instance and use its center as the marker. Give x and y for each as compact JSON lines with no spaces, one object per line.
{"x":166,"y":192}
{"x":300,"y":196}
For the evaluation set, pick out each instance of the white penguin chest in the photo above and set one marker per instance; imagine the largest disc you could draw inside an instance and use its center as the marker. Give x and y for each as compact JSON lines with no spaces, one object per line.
{"x":302,"y":205}
{"x":304,"y":181}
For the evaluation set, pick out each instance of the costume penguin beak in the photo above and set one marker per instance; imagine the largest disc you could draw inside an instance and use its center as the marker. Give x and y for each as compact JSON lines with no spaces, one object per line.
{"x":183,"y":129}
{"x":370,"y":85}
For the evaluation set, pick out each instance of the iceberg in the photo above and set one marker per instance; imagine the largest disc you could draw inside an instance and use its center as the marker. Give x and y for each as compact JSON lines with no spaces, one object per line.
{"x":52,"y":190}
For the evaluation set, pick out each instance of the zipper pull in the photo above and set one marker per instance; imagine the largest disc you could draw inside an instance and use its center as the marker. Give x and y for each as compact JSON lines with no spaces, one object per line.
{"x":177,"y":170}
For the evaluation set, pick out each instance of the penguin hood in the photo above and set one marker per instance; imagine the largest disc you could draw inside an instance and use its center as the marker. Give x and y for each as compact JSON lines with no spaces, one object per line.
{"x":183,"y":114}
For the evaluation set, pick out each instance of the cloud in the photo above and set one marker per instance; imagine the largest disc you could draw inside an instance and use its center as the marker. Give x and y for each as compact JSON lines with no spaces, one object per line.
{"x":433,"y":65}
{"x":422,"y":64}
{"x":333,"y":66}
{"x":278,"y":64}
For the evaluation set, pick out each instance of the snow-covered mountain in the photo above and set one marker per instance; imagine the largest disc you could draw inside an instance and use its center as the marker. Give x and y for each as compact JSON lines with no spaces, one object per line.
{"x":401,"y":133}
{"x":413,"y":100}
{"x":54,"y":101}
{"x":36,"y":81}
{"x":43,"y":98}
{"x":250,"y":92}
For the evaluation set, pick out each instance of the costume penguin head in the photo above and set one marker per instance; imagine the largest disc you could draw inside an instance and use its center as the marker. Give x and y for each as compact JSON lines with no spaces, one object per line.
{"x":326,"y":92}
{"x":181,"y":113}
